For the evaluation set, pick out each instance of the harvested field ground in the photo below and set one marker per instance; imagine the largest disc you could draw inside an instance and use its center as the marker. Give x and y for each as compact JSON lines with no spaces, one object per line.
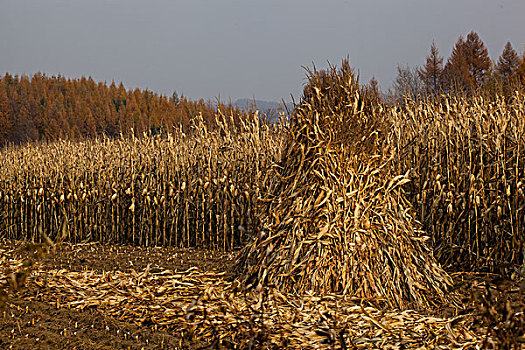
{"x":31,"y":321}
{"x":106,"y":297}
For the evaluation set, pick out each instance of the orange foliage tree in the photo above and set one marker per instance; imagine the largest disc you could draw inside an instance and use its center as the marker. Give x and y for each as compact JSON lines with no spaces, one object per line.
{"x":47,"y":108}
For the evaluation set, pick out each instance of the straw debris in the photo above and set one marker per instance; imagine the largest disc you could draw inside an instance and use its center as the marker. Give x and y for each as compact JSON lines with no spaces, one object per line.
{"x":197,"y":305}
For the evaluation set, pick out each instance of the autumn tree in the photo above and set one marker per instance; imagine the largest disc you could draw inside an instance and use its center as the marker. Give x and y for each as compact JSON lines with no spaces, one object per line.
{"x":48,"y":108}
{"x":467,"y":66}
{"x":5,"y":115}
{"x":431,"y":73}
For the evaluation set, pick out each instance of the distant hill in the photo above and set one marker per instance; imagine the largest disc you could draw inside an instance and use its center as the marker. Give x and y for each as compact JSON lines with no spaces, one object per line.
{"x":267,"y":109}
{"x":262,"y":106}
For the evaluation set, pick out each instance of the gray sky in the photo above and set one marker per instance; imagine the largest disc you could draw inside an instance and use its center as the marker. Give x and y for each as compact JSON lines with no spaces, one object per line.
{"x":241,"y":48}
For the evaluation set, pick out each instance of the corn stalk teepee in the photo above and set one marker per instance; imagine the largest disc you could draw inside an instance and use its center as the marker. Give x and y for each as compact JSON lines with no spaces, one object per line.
{"x":335,"y":218}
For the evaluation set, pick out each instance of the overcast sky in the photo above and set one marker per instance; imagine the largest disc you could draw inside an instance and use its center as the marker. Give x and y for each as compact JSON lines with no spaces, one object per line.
{"x":240,"y":48}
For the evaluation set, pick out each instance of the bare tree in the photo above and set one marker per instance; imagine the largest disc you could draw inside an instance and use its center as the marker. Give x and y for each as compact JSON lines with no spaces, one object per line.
{"x":407,"y":83}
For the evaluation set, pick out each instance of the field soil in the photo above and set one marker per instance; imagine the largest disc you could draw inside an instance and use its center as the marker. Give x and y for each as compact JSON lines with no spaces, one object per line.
{"x":34,"y":318}
{"x":28,"y":323}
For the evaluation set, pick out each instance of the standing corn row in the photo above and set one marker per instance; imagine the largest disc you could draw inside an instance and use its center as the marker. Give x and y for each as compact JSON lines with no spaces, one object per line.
{"x":196,"y":190}
{"x":467,"y":163}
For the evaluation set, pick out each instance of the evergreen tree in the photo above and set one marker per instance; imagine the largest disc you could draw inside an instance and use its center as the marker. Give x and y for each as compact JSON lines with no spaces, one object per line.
{"x":506,"y":70}
{"x":508,"y":62}
{"x":431,"y":73}
{"x":477,"y":58}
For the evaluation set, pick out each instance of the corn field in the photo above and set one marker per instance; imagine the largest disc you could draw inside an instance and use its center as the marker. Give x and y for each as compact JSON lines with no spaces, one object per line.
{"x":464,"y":159}
{"x":467,"y":164}
{"x":182,"y":190}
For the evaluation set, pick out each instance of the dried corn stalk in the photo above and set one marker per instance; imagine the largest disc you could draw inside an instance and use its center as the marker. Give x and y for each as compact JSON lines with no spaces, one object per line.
{"x":336,"y":218}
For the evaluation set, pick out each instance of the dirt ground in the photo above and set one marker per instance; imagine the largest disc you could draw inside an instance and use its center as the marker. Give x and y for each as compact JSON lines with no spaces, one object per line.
{"x":38,"y":325}
{"x":29,"y":323}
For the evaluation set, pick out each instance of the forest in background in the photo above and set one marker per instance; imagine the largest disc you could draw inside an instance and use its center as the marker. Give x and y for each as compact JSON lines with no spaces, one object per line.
{"x":468,"y":71}
{"x":55,"y":107}
{"x":46,"y":108}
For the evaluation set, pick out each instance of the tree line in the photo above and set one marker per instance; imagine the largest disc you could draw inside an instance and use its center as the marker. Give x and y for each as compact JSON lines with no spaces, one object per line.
{"x":468,"y":71}
{"x":44,"y":107}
